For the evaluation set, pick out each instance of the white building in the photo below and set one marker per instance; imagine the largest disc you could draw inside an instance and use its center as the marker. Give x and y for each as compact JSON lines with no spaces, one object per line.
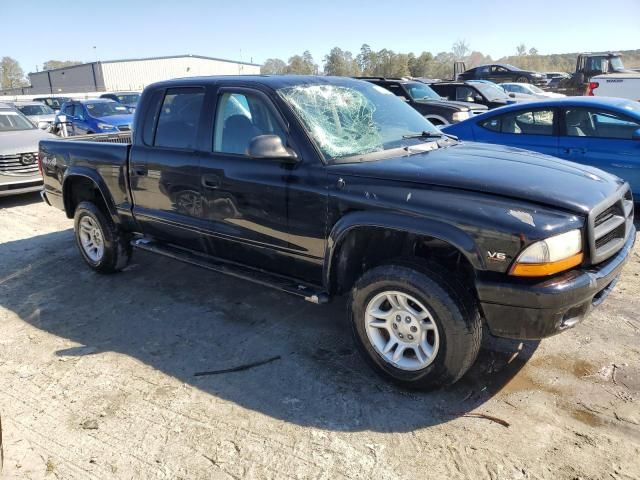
{"x":124,"y":75}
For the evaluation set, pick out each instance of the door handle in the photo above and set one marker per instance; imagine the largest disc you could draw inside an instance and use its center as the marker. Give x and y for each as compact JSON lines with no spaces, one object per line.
{"x":211,"y":181}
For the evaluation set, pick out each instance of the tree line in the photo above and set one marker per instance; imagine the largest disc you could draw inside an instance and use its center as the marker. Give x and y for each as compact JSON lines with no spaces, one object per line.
{"x":387,"y":63}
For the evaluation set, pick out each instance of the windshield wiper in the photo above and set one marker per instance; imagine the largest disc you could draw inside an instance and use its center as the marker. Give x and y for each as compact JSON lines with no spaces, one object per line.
{"x":424,"y":134}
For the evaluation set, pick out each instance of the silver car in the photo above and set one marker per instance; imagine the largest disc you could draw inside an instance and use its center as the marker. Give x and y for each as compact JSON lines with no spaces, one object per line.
{"x":19,"y":140}
{"x":40,"y":114}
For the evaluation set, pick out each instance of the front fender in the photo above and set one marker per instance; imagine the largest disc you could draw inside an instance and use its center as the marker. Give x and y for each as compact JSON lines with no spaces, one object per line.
{"x":450,"y":234}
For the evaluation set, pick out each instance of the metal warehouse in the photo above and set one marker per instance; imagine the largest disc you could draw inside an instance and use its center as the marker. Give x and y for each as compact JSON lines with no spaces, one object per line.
{"x":133,"y":74}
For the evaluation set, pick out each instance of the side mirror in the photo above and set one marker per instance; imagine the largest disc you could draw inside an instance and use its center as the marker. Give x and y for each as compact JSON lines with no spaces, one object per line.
{"x":512,"y":95}
{"x":636,"y":135}
{"x":271,"y":147}
{"x":478,"y":98}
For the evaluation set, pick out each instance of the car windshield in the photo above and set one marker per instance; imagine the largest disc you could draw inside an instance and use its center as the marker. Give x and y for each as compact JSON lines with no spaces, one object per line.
{"x":420,"y":91}
{"x":11,"y":121}
{"x":534,"y":89}
{"x":128,"y":98}
{"x":512,"y":67}
{"x":55,"y":102}
{"x":616,"y":63}
{"x":352,"y":119}
{"x":35,"y":109}
{"x":491,"y":91}
{"x":105,"y":109}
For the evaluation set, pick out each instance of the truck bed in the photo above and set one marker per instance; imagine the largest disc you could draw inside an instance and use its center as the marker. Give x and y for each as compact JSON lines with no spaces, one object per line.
{"x":103,"y":158}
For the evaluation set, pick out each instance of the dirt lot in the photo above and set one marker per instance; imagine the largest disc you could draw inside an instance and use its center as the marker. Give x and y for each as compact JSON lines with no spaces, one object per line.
{"x":97,"y":381}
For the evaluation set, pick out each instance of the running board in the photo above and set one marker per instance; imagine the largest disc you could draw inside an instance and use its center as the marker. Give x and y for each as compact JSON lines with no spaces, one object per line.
{"x":284,"y":284}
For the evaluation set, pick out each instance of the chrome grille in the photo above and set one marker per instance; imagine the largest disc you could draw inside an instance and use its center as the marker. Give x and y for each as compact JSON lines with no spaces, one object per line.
{"x":14,"y":165}
{"x":609,"y":225}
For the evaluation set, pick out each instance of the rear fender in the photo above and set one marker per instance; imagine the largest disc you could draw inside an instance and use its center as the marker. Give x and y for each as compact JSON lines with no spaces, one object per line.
{"x":99,"y":184}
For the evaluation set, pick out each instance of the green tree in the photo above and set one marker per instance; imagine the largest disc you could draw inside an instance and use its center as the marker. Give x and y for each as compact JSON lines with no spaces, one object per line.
{"x":273,"y":66}
{"x":521,"y":50}
{"x":367,"y":60}
{"x":302,"y":64}
{"x":340,"y":63}
{"x":11,"y":74}
{"x":53,"y":64}
{"x":420,"y":66}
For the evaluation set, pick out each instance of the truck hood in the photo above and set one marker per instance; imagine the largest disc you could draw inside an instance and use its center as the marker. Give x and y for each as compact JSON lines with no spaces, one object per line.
{"x":454,"y":105}
{"x":22,"y":141}
{"x":498,"y":170}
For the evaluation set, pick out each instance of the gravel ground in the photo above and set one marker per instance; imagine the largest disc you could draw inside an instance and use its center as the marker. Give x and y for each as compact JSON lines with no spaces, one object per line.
{"x":97,"y":381}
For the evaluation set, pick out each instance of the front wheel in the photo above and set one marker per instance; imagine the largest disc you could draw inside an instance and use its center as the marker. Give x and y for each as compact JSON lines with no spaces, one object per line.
{"x":414,"y":326}
{"x":102,"y":246}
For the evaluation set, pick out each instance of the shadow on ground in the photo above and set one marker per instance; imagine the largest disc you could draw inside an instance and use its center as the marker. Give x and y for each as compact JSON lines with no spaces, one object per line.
{"x":182,"y":320}
{"x":20,"y":200}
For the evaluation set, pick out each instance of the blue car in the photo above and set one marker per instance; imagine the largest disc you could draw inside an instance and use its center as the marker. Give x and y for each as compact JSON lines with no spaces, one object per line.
{"x":95,"y":116}
{"x":597,"y":131}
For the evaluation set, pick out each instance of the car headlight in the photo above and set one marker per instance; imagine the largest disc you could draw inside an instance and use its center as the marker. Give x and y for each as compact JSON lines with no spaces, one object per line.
{"x":106,"y":126}
{"x":552,"y":255}
{"x":460,"y":116}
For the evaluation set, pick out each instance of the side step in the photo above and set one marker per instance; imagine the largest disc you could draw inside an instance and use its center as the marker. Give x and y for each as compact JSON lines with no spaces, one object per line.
{"x":308,"y":292}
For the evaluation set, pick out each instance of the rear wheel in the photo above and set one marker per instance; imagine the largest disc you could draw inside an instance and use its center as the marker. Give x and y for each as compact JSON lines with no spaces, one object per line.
{"x":522,"y":79}
{"x":414,"y":326}
{"x":102,"y":246}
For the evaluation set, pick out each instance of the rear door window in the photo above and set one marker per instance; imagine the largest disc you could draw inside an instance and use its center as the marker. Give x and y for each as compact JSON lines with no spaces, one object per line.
{"x":179,"y":118}
{"x":584,"y":122}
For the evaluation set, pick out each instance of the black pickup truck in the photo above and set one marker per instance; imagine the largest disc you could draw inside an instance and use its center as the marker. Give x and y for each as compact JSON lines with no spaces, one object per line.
{"x":322,"y":186}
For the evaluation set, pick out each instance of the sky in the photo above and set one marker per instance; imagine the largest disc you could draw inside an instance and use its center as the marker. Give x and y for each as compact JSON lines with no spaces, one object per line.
{"x":254,"y":30}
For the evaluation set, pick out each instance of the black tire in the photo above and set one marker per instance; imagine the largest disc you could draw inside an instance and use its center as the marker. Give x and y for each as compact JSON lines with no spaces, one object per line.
{"x":117,"y":248}
{"x":522,"y":79}
{"x":454,"y":312}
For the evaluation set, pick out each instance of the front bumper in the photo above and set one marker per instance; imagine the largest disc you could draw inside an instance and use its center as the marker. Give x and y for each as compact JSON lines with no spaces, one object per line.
{"x":13,"y":186}
{"x":536,"y":310}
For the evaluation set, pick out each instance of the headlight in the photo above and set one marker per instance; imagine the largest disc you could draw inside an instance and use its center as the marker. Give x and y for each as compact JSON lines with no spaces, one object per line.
{"x":553,"y":255}
{"x":460,"y":116}
{"x":106,"y":126}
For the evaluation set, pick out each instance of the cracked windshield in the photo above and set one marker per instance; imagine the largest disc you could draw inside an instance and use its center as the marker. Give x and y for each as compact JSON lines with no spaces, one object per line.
{"x":355,"y":119}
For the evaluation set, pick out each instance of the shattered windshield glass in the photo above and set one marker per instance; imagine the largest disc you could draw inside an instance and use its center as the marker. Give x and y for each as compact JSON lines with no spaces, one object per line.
{"x":355,"y":118}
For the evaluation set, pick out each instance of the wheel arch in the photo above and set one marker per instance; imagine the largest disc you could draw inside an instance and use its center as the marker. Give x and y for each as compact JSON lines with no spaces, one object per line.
{"x":439,"y":118}
{"x":387,"y":236}
{"x":84,"y":184}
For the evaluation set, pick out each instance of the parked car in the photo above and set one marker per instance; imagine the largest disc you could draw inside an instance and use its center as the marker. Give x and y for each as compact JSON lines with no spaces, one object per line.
{"x":600,"y":132}
{"x":331,"y":186}
{"x":40,"y":114}
{"x":531,"y":91}
{"x":425,"y":100}
{"x":99,"y":115}
{"x":500,"y":73}
{"x":54,"y":103}
{"x":480,"y":92}
{"x":128,"y":99}
{"x":549,"y":76}
{"x":19,"y":152}
{"x":589,"y":65}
